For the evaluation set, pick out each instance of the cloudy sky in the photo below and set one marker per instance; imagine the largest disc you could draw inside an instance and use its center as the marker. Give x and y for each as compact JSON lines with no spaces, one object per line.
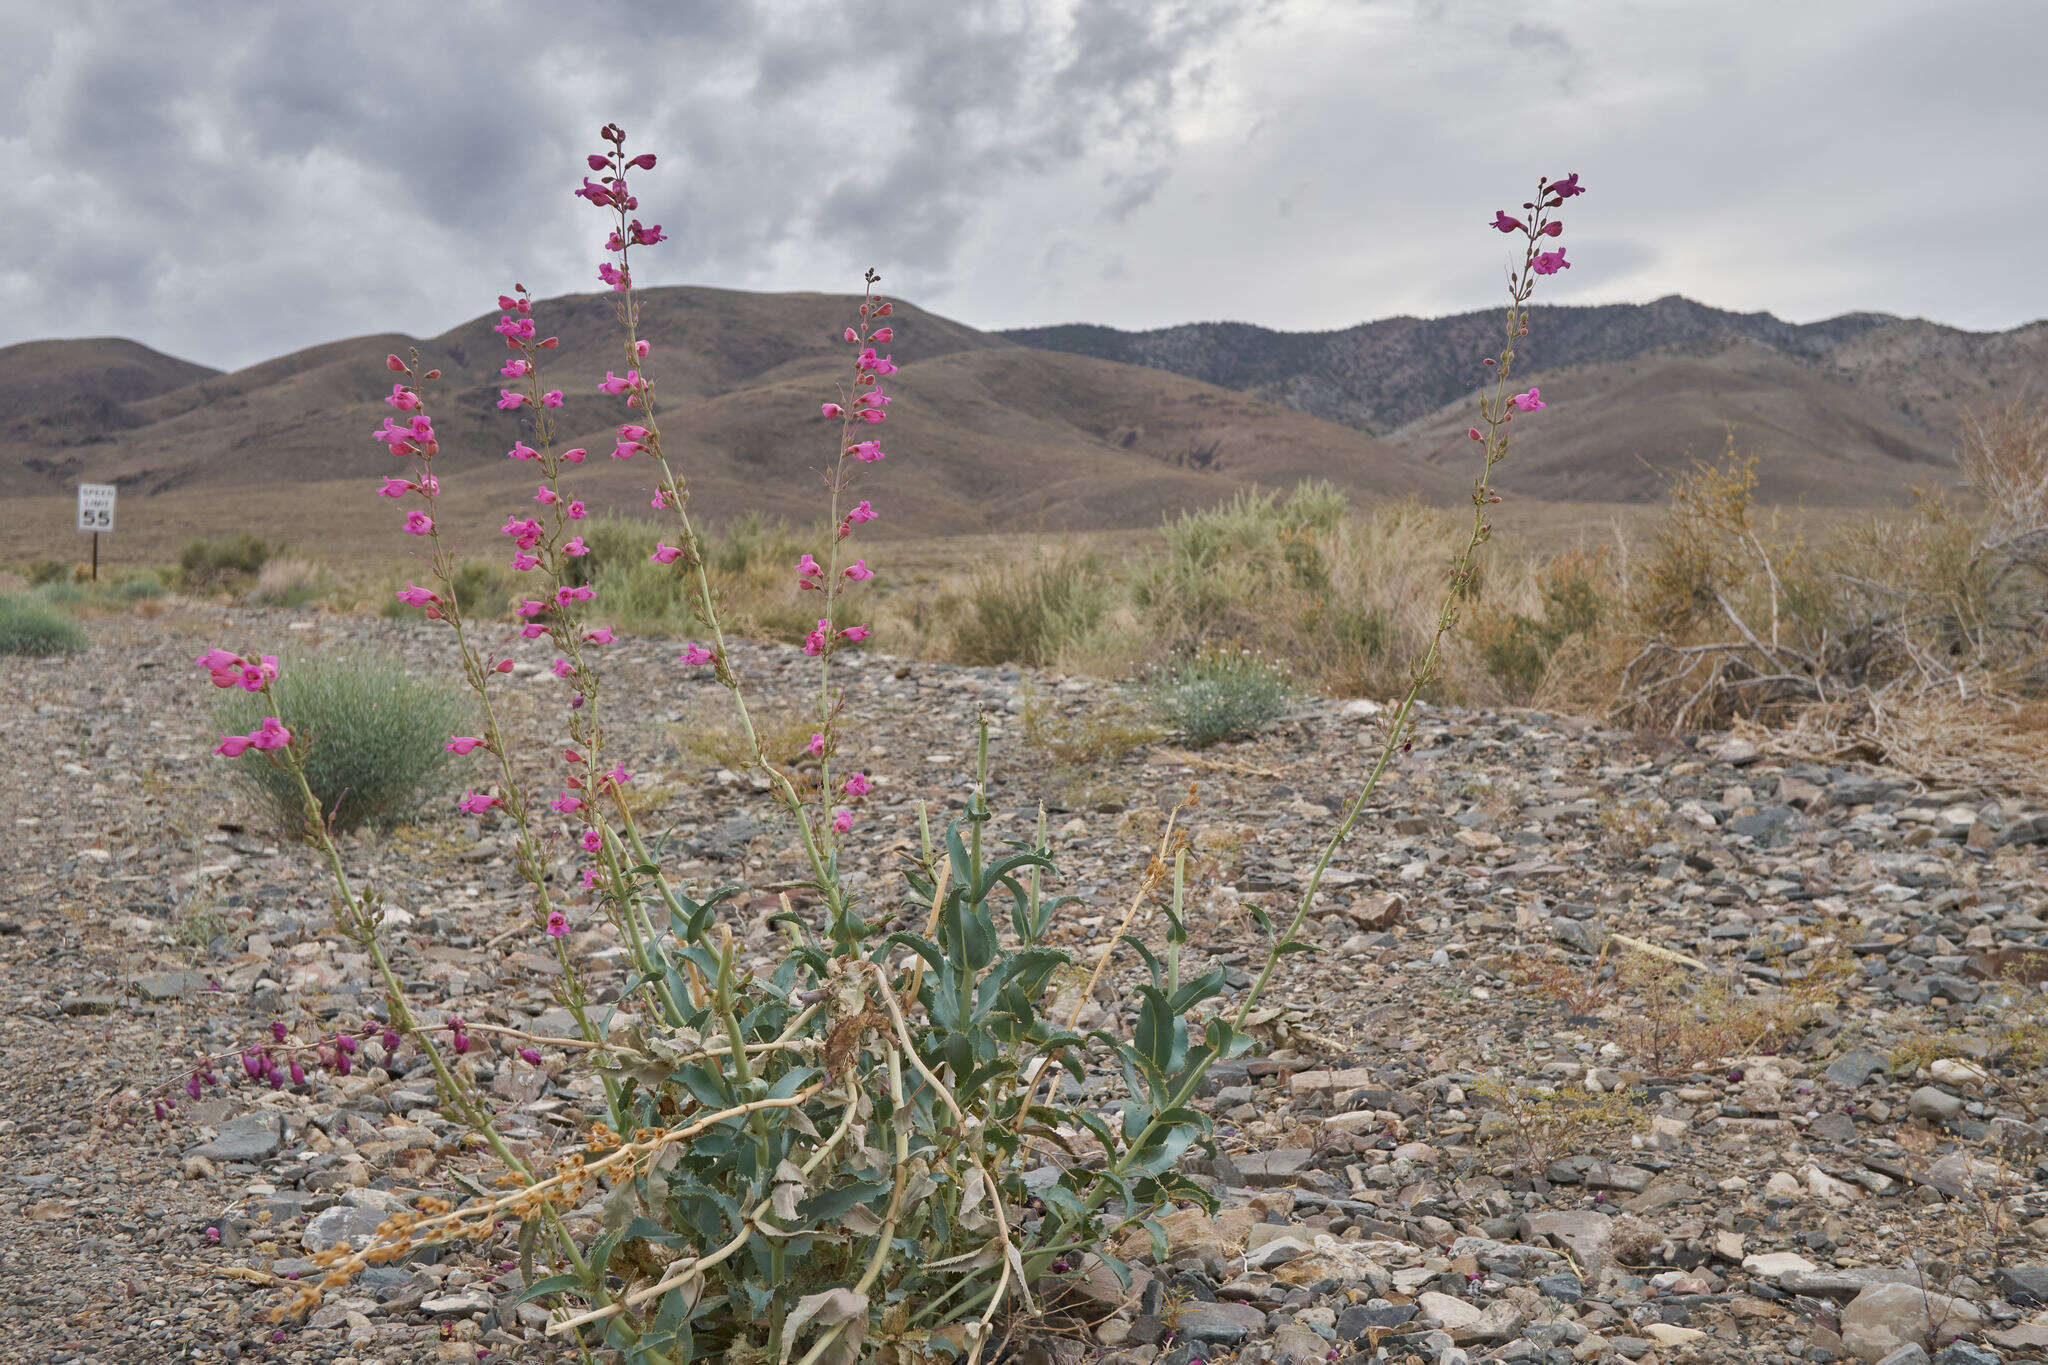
{"x":227,"y":182}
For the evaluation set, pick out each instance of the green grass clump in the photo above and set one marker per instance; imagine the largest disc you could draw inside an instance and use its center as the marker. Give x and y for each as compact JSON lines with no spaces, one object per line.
{"x":375,"y":734}
{"x":228,"y":562}
{"x":1221,"y":695}
{"x":36,"y":630}
{"x":1025,"y":614}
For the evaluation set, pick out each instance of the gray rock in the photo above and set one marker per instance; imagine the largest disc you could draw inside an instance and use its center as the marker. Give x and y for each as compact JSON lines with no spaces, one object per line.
{"x":1963,"y":1353}
{"x":1610,"y":1175}
{"x":1268,"y":1169}
{"x":1906,"y":1355}
{"x":344,"y":1223}
{"x":1563,"y":1288}
{"x":1852,"y":1069}
{"x":1353,"y":1322}
{"x":1220,"y":1324}
{"x":246,"y":1137}
{"x":1885,"y":1317}
{"x":1845,"y":1284}
{"x":459,"y":1305}
{"x":160,"y":986}
{"x":2026,"y":1285}
{"x":1931,"y":1102}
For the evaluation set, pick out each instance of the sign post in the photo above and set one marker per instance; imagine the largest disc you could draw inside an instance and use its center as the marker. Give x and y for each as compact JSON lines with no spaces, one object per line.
{"x":96,"y":514}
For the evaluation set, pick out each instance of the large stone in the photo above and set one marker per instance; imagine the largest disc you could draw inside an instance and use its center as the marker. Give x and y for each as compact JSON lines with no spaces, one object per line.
{"x":1775,"y":1265}
{"x":1220,"y":1324}
{"x":246,"y":1137}
{"x":1266,"y":1170}
{"x":1885,"y":1317}
{"x":342,"y":1224}
{"x":1589,"y":1237}
{"x":1930,"y":1102}
{"x":1447,"y":1312}
{"x":1852,"y":1069}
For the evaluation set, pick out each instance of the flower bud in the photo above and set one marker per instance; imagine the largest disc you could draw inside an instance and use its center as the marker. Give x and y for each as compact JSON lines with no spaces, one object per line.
{"x":529,"y":1056}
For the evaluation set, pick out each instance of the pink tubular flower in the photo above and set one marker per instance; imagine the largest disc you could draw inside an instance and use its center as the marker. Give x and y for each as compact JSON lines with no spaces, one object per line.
{"x":626,"y":450}
{"x":580,"y":593}
{"x":233,"y":746}
{"x":558,"y":924}
{"x":842,"y":819}
{"x":516,"y":368}
{"x":576,"y":510}
{"x":815,"y":642}
{"x":613,"y":384}
{"x":476,"y":803}
{"x":696,"y":654}
{"x":591,"y":841}
{"x":1568,"y":187}
{"x":418,"y":523}
{"x":395,"y":488}
{"x":601,"y":636}
{"x":857,"y":785}
{"x":522,"y":451}
{"x":1473,"y":432}
{"x":564,"y":669}
{"x":832,"y":410}
{"x":397,"y":438}
{"x":1532,"y":401}
{"x":1503,"y":223}
{"x":618,"y":776}
{"x":530,"y":608}
{"x":850,"y":335}
{"x":397,"y":366}
{"x":576,"y":547}
{"x":461,"y":744}
{"x":640,"y":350}
{"x":546,"y":495}
{"x":402,"y":398}
{"x":665,"y":553}
{"x":884,"y":335}
{"x":524,"y":562}
{"x":574,"y":455}
{"x":414,"y":596}
{"x":816,"y":746}
{"x":867,"y":452}
{"x":857,"y":633}
{"x":864,"y":512}
{"x":1550,"y":262}
{"x":551,"y":399}
{"x":859,"y":569}
{"x":568,"y":803}
{"x":510,"y":398}
{"x":271,"y":734}
{"x":532,"y":630}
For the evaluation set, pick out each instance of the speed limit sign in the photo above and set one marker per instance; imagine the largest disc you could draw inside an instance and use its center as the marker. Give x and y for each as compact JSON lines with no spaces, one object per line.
{"x":95,"y":507}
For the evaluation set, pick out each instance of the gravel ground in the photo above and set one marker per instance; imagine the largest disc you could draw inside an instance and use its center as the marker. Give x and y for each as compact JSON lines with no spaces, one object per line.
{"x":1618,"y":1048}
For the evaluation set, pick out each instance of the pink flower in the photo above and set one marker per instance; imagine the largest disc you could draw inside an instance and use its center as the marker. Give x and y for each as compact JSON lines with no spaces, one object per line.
{"x":418,"y":523}
{"x":842,"y":820}
{"x":851,"y":335}
{"x":867,"y":452}
{"x":696,"y":654}
{"x":558,"y":924}
{"x":531,"y":631}
{"x":476,"y":803}
{"x":806,"y":569}
{"x":568,"y":803}
{"x":414,"y":596}
{"x":233,"y":746}
{"x":859,"y":569}
{"x":516,"y":368}
{"x":546,"y":495}
{"x":884,"y":335}
{"x":864,"y":512}
{"x":461,"y":744}
{"x":592,"y":841}
{"x":832,"y":410}
{"x":625,"y":450}
{"x":395,"y":488}
{"x":1568,"y":187}
{"x":857,"y":785}
{"x":629,"y":432}
{"x":618,"y":776}
{"x":601,"y":636}
{"x":574,"y":455}
{"x":577,"y":511}
{"x":581,"y":593}
{"x":648,"y":236}
{"x":516,"y":305}
{"x":1473,"y":432}
{"x":880,"y":364}
{"x":1550,"y":262}
{"x":397,"y":366}
{"x":642,"y":162}
{"x":271,"y":734}
{"x":1553,"y":228}
{"x":551,"y":399}
{"x":564,"y":669}
{"x":816,"y":746}
{"x":815,"y":642}
{"x":1531,"y":401}
{"x":615,"y":385}
{"x":525,"y":531}
{"x":590,"y":875}
{"x":510,"y":398}
{"x":502,"y":666}
{"x":576,"y":547}
{"x":1503,"y":223}
{"x":857,"y":633}
{"x":522,"y":451}
{"x":394,"y":436}
{"x":402,"y":398}
{"x":665,"y":553}
{"x":530,"y":608}
{"x":524,"y":562}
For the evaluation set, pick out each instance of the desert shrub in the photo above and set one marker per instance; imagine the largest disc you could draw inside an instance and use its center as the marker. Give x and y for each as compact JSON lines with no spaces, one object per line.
{"x":36,"y":630}
{"x":41,"y":571}
{"x":1027,"y":613}
{"x":1220,"y":695}
{"x":205,"y":565}
{"x":835,"y":1155}
{"x":1517,"y":648}
{"x":486,"y":590}
{"x":373,"y":735}
{"x":286,"y":582}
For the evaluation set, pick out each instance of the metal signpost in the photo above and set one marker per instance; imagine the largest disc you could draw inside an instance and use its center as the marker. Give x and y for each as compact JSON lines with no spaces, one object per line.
{"x":96,"y":514}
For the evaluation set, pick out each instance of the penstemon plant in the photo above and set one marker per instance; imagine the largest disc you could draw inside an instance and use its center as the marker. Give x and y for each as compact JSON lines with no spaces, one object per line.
{"x":826,"y":1161}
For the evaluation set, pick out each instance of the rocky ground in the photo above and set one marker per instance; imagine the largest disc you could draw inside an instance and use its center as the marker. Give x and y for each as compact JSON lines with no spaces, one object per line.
{"x":1618,"y":1047}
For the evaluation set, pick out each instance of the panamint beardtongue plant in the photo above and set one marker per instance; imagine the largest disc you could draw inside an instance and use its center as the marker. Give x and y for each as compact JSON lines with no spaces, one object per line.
{"x":812,"y":1149}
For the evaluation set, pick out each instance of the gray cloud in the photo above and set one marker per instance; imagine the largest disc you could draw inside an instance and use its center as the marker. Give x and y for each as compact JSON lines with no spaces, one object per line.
{"x":227,"y":182}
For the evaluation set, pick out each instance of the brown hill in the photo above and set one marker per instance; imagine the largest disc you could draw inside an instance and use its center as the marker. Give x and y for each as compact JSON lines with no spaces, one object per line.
{"x":1852,"y":410}
{"x":989,"y":435}
{"x":59,"y":399}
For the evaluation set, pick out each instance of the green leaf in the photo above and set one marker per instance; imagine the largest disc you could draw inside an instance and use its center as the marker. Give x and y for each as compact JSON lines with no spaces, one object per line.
{"x":829,"y":1204}
{"x":553,"y":1284}
{"x":1152,"y":962}
{"x":1192,"y":993}
{"x":791,"y":1081}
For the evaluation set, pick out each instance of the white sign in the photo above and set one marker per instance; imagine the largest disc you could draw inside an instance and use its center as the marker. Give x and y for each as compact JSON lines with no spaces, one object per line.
{"x":95,"y":507}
